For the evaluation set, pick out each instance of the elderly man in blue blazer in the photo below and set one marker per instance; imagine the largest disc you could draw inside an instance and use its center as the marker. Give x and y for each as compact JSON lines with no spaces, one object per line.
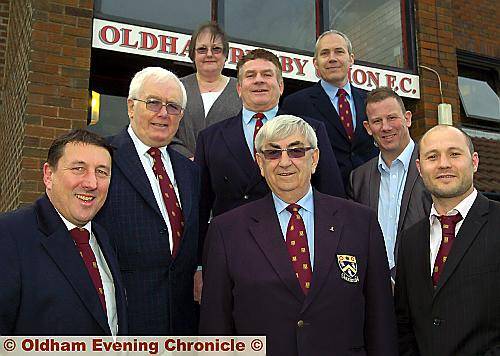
{"x":307,"y":270}
{"x":59,"y":271}
{"x":336,"y":103}
{"x":152,"y":209}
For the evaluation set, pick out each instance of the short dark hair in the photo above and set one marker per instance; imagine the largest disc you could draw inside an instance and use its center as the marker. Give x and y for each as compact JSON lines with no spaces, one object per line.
{"x":260,"y":53}
{"x":82,"y":136}
{"x":215,"y":31}
{"x":381,"y":93}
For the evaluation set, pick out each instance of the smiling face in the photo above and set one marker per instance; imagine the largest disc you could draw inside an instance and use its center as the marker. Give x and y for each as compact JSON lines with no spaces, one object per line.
{"x":289,"y":178}
{"x":209,"y":63}
{"x":259,"y":85}
{"x":78,"y":185}
{"x":155,"y":129}
{"x":389,"y":127}
{"x":332,"y":60}
{"x":446,"y":165}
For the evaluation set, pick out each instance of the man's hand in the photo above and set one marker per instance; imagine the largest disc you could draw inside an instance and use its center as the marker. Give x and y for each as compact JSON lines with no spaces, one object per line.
{"x":198,"y":285}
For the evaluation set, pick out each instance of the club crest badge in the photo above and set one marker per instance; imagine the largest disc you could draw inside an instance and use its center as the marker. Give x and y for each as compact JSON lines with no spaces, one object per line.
{"x":349,"y":268}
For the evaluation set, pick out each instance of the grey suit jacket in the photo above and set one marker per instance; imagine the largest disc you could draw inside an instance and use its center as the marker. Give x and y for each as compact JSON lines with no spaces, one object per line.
{"x":227,"y":105}
{"x":364,"y":186}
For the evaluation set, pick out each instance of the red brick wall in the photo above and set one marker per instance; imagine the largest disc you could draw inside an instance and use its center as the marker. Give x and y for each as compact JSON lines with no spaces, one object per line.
{"x":53,"y":84}
{"x":4,"y":21}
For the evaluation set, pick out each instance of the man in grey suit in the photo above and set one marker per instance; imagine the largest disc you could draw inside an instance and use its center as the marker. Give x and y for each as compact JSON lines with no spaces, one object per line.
{"x":390,"y":183}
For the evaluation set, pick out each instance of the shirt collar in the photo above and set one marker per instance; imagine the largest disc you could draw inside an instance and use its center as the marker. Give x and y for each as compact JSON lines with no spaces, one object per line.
{"x":306,"y":202}
{"x":404,"y":157}
{"x":140,"y":147}
{"x":463,"y":207}
{"x":248,"y":114}
{"x":331,"y":90}
{"x":70,"y":226}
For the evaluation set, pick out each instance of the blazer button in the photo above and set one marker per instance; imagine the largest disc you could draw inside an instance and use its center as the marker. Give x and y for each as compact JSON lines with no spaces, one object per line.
{"x":246,"y":197}
{"x":436,"y":322}
{"x":300,"y":323}
{"x":163,"y":231}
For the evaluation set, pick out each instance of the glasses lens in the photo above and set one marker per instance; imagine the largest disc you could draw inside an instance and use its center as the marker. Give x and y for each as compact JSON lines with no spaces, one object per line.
{"x":217,"y":50}
{"x":202,"y":50}
{"x":173,"y":109}
{"x":154,"y":105}
{"x":271,"y":154}
{"x":297,"y":152}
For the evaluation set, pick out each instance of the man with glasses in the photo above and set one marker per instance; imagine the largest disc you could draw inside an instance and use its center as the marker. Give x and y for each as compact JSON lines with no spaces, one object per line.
{"x":225,"y":150}
{"x":307,"y":270}
{"x":152,"y":209}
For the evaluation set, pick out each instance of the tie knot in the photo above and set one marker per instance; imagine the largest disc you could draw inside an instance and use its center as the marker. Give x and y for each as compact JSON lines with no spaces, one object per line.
{"x":154,"y":152}
{"x":81,"y":236}
{"x":259,"y":116}
{"x":450,"y":220}
{"x":293,"y":208}
{"x":341,"y":92}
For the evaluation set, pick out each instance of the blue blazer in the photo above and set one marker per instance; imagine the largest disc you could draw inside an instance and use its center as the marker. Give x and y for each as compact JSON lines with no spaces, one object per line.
{"x":45,"y":288}
{"x":230,"y":177}
{"x":315,"y":103}
{"x":159,"y":288}
{"x":250,"y":287}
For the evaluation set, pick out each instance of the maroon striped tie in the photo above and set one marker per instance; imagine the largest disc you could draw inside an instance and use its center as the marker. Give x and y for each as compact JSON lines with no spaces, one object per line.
{"x":448,"y":223}
{"x":169,"y":198}
{"x":345,"y":113}
{"x":81,"y":238}
{"x":258,"y":124}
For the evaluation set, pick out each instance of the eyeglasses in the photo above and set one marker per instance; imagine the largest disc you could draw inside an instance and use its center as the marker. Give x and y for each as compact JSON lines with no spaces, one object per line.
{"x":156,"y":105}
{"x":296,"y":152}
{"x":204,"y":50}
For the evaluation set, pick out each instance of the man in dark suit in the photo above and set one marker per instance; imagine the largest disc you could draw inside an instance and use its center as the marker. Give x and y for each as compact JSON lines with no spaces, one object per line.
{"x":152,"y":209}
{"x":447,"y":292}
{"x":334,"y":101}
{"x":225,"y":150}
{"x":305,"y":269}
{"x":390,"y":183}
{"x":59,"y":272}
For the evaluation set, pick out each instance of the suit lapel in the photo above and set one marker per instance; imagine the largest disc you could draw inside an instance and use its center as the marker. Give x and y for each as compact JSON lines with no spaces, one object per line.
{"x":61,"y":248}
{"x":323,"y":104}
{"x":359,"y":104}
{"x":234,"y":138}
{"x":267,"y":234}
{"x":325,"y":244}
{"x":127,"y":159}
{"x":374,"y":185}
{"x":184,"y":182}
{"x":411,"y":178}
{"x":476,"y":218}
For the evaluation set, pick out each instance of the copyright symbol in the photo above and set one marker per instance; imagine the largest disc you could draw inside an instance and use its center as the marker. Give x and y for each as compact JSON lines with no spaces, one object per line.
{"x":9,"y":345}
{"x":256,"y":345}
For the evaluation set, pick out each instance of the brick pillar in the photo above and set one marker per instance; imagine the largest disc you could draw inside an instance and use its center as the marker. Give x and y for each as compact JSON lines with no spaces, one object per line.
{"x":47,"y":80}
{"x":436,"y":49}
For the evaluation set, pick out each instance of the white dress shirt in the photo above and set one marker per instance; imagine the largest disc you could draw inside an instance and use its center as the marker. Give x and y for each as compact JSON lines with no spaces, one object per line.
{"x":436,"y":233}
{"x":106,"y":276}
{"x":147,"y":164}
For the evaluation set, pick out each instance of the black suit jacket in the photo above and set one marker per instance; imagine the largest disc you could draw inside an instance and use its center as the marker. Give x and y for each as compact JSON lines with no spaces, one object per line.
{"x":461,"y":316}
{"x":230,"y":177}
{"x":364,"y":187}
{"x":45,"y":288}
{"x":314,"y":102}
{"x":159,"y":288}
{"x":250,"y":287}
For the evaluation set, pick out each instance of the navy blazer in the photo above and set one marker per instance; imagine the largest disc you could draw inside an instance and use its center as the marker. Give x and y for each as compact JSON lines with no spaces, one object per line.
{"x":45,"y":288}
{"x":250,"y":287}
{"x":159,"y":288}
{"x":230,"y":177}
{"x":315,"y":103}
{"x":461,"y":316}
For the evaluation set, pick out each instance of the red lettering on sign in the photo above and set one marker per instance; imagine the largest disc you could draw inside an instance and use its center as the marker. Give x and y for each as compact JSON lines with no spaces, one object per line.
{"x":359,"y":77}
{"x":168,"y":42}
{"x":286,"y":64}
{"x":126,"y":38}
{"x":300,"y":65}
{"x":373,"y":79}
{"x":145,"y":38}
{"x":390,"y":79}
{"x":402,"y":85}
{"x":235,"y":54}
{"x":104,"y":37}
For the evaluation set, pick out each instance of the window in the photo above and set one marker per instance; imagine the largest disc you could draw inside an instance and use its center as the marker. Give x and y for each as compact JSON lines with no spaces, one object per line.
{"x":478,"y":99}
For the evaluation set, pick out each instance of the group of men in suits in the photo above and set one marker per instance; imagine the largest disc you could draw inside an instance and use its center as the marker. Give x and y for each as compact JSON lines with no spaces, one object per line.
{"x":284,"y":256}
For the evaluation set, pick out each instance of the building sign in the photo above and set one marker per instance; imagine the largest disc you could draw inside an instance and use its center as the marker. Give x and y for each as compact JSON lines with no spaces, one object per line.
{"x":145,"y":41}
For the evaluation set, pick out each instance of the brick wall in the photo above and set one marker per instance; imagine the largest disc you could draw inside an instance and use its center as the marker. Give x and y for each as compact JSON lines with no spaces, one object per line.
{"x":53,"y":87}
{"x":4,"y":21}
